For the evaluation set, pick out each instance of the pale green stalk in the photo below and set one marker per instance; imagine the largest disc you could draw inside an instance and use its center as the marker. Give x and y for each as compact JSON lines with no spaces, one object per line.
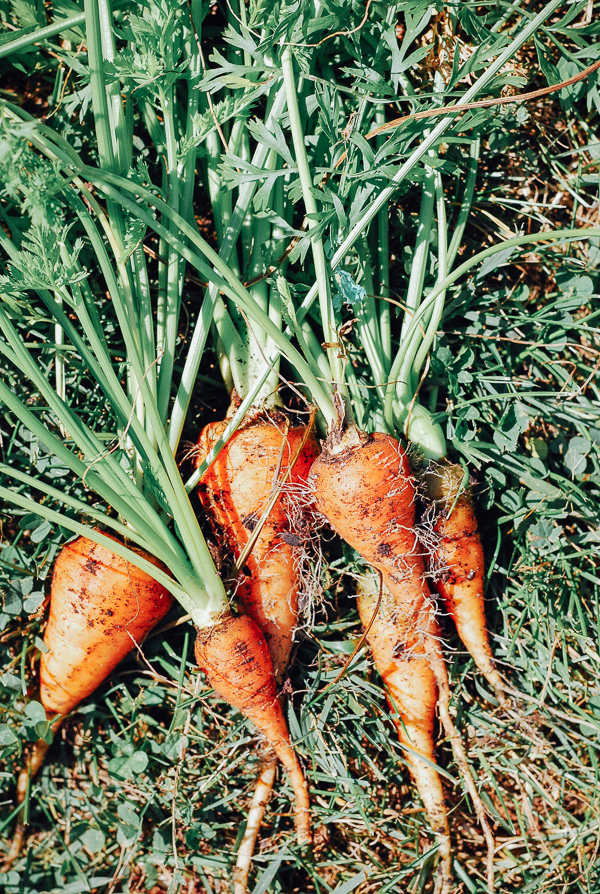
{"x":322,"y":276}
{"x":465,"y":208}
{"x":195,"y":600}
{"x":121,"y":134}
{"x":60,"y":384}
{"x":367,"y":316}
{"x":565,"y":235}
{"x":168,"y":323}
{"x":13,"y":47}
{"x":433,"y":318}
{"x":223,"y":277}
{"x":420,"y":255}
{"x":202,"y":327}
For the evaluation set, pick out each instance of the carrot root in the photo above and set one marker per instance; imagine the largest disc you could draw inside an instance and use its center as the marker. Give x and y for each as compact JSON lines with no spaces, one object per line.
{"x":411,"y":691}
{"x":364,"y":488}
{"x":459,"y":558}
{"x":458,"y":749}
{"x":100,"y":606}
{"x":34,"y":762}
{"x":262,"y":793}
{"x":234,"y":656}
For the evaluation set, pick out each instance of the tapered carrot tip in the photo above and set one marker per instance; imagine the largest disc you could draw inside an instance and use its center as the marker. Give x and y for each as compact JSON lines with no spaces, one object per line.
{"x":234,"y":656}
{"x":262,"y":793}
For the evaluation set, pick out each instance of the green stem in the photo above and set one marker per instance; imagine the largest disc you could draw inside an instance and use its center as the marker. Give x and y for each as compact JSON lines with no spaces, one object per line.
{"x":436,"y":312}
{"x":431,"y":140}
{"x":227,"y":282}
{"x":465,"y":208}
{"x":322,"y":277}
{"x":42,"y":34}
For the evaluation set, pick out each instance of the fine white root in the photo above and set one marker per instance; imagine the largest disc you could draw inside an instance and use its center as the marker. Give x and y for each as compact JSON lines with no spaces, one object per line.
{"x":260,"y":799}
{"x":441,"y":676}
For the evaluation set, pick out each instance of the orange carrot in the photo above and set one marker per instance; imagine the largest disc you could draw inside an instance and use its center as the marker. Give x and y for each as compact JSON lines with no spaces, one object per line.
{"x":459,"y":565}
{"x":236,"y":492}
{"x":235,"y":657}
{"x":363,"y":486}
{"x":100,"y":607}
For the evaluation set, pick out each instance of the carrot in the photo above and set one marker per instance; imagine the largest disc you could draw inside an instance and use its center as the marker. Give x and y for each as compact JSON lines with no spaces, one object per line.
{"x":458,"y":561}
{"x":236,"y":492}
{"x":100,"y":607}
{"x":363,"y":486}
{"x":234,"y":656}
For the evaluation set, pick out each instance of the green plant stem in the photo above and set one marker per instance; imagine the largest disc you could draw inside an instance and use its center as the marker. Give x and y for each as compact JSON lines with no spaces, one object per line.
{"x":420,"y":256}
{"x":202,"y":327}
{"x":160,"y":548}
{"x":565,"y":235}
{"x":192,"y":596}
{"x":430,"y":141}
{"x":11,"y":48}
{"x":120,"y":135}
{"x":433,"y":318}
{"x":322,"y":277}
{"x":465,"y":208}
{"x":227,"y":282}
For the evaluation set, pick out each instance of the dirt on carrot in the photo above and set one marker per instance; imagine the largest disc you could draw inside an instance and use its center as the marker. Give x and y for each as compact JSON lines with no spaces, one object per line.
{"x":234,"y":656}
{"x":457,"y":564}
{"x":100,"y":607}
{"x":363,"y":486}
{"x":236,"y":491}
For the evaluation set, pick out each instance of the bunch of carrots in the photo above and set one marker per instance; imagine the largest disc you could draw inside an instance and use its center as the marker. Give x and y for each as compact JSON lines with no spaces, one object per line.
{"x":414,"y":528}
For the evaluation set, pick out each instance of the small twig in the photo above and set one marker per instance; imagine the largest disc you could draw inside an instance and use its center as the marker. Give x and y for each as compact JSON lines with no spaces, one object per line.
{"x":478,"y":104}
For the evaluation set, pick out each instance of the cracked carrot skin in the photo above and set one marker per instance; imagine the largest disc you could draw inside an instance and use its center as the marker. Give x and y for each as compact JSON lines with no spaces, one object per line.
{"x":100,"y":607}
{"x":363,"y":485}
{"x":459,"y":564}
{"x":235,"y":491}
{"x":235,"y":657}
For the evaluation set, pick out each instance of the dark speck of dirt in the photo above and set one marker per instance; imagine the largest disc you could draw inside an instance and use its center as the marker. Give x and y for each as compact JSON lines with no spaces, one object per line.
{"x":250,"y":521}
{"x":384,"y":549}
{"x":291,"y":539}
{"x":109,"y":612}
{"x":92,"y":566}
{"x":399,"y":649}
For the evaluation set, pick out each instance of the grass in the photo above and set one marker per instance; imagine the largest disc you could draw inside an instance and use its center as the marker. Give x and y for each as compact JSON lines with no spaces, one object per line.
{"x":147,"y":785}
